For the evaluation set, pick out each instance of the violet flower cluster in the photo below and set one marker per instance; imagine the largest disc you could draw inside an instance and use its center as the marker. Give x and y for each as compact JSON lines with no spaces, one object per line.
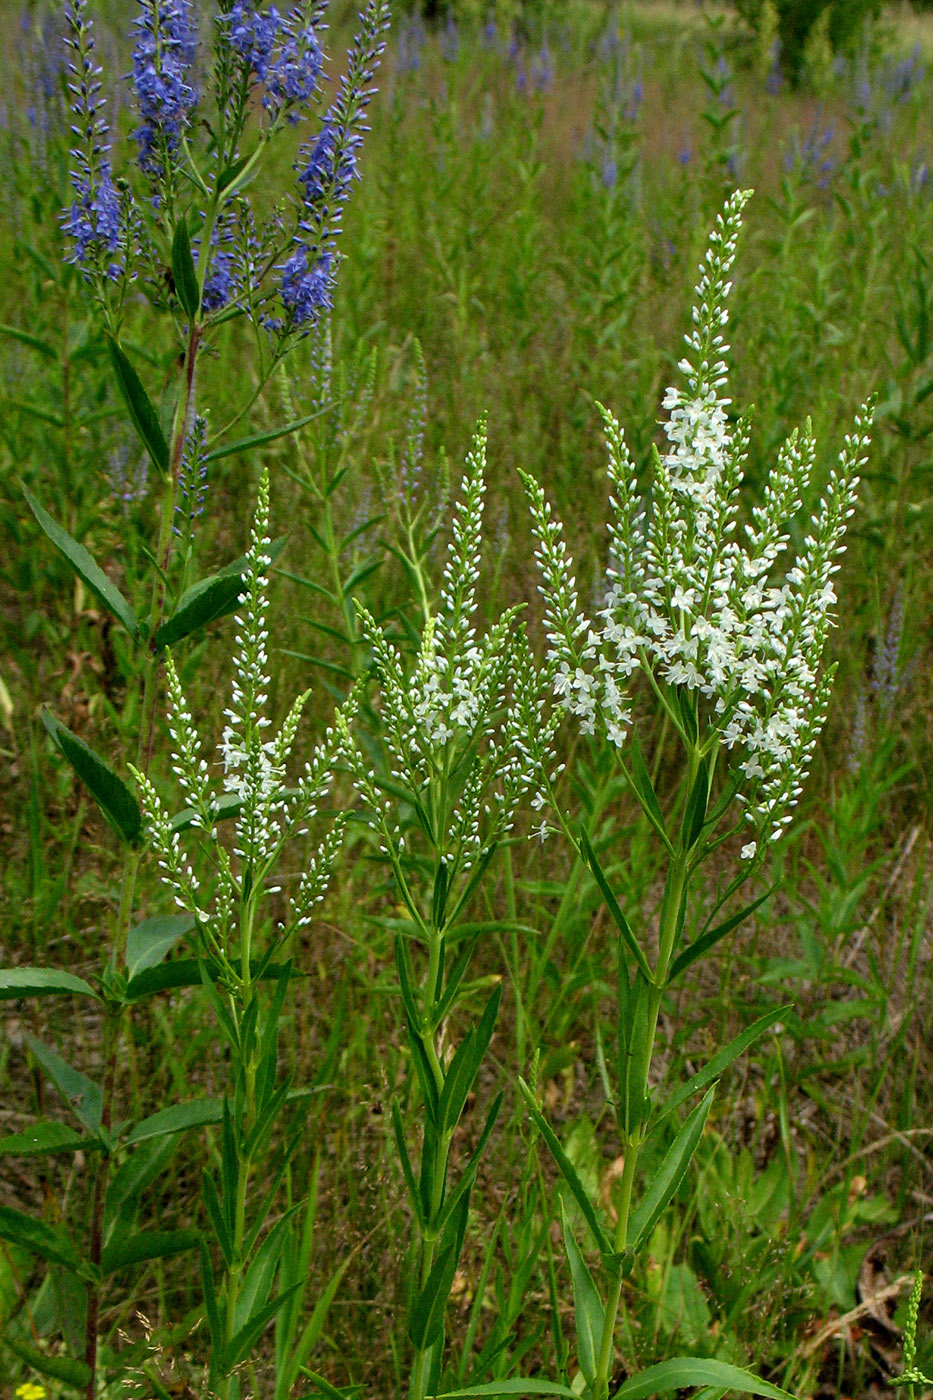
{"x":197,"y":158}
{"x":702,"y":615}
{"x":94,"y":221}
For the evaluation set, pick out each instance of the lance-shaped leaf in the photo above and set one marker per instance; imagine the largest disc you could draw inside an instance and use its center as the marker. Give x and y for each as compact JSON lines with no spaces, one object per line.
{"x":463,"y":1068}
{"x":427,"y":1314}
{"x":239,"y":1347}
{"x":113,"y":797}
{"x":260,"y":439}
{"x":45,"y":1137}
{"x":183,"y":270}
{"x":48,"y":1241}
{"x":152,"y":940}
{"x":185,"y":972}
{"x":401,"y":1148}
{"x":688,"y":1372}
{"x":612,"y":904}
{"x":177,"y":1119}
{"x":206,"y":601}
{"x":569,"y":1173}
{"x":588,"y":1309}
{"x":82,"y":1095}
{"x":669,"y":1175}
{"x":634,"y":1038}
{"x":145,"y":418}
{"x":721,"y":1061}
{"x":85,"y":566}
{"x":644,"y":788}
{"x":66,"y":1369}
{"x":147,"y":1244}
{"x":42,"y":982}
{"x":712,"y":936}
{"x":695,"y":813}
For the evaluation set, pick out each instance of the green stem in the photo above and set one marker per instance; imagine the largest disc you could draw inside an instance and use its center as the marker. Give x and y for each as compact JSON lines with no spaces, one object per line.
{"x":675,"y":885}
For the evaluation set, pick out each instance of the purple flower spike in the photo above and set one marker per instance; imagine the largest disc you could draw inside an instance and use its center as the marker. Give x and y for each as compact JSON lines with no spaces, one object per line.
{"x":94,"y":221}
{"x":306,"y":286}
{"x":162,"y":58}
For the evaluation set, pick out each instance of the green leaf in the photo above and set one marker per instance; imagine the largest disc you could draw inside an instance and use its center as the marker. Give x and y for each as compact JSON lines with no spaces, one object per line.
{"x":83,"y":1096}
{"x":66,"y":1369}
{"x":260,"y":1276}
{"x":568,"y":1172}
{"x":33,"y":341}
{"x":44,"y":1137}
{"x":589,"y":1312}
{"x":405,"y":1162}
{"x":45,"y":1240}
{"x":464,"y":1067}
{"x":240,"y":1346}
{"x":209,"y":1290}
{"x":223,"y":808}
{"x":177,"y":1119}
{"x":145,"y":419}
{"x":723,"y":1059}
{"x":113,"y":797}
{"x":136,"y":1173}
{"x":516,"y":1385}
{"x":685,"y":1372}
{"x":313,"y":1327}
{"x":695,"y":813}
{"x":147,"y":1244}
{"x":707,"y":940}
{"x":621,"y":922}
{"x":206,"y":601}
{"x":633,"y":1028}
{"x":427,"y":1314}
{"x":85,"y":566}
{"x":465,"y":1184}
{"x":645,"y":788}
{"x":259,"y":439}
{"x":40,"y":982}
{"x":152,"y":940}
{"x":670,"y":1174}
{"x":184,"y":271}
{"x":217,"y":1216}
{"x":183,"y":972}
{"x":324,"y":1386}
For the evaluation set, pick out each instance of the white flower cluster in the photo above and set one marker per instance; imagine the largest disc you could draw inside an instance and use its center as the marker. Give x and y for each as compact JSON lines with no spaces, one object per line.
{"x":456,"y":722}
{"x":265,"y":812}
{"x":689,"y":604}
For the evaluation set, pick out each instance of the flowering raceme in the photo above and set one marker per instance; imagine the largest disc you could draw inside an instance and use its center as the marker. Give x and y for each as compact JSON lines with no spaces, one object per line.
{"x":701,"y":613}
{"x":199,"y":149}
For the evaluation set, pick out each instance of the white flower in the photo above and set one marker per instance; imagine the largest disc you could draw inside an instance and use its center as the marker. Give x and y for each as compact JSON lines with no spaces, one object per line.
{"x":748,"y":850}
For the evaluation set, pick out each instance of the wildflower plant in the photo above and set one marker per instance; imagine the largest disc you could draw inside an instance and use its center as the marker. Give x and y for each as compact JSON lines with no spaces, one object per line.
{"x":210,"y":96}
{"x":457,"y":763}
{"x":265,"y":815}
{"x":731,"y":652}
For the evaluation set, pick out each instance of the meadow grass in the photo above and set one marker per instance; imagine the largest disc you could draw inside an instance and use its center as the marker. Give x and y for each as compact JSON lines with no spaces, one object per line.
{"x":524,"y":241}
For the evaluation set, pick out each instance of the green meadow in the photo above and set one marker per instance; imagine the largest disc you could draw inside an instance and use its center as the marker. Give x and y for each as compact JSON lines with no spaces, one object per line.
{"x":523,"y":244}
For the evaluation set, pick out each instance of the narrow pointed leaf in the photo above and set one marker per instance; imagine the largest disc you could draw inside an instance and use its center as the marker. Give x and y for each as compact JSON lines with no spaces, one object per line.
{"x":145,"y":418}
{"x":83,"y":1096}
{"x":41,"y":981}
{"x":113,"y":797}
{"x":621,"y":922}
{"x":695,"y":814}
{"x":670,"y":1174}
{"x":259,"y":439}
{"x":645,"y":788}
{"x":206,"y":601}
{"x":401,"y":1148}
{"x":47,"y":1241}
{"x":33,"y":341}
{"x":177,"y":1119}
{"x":589,"y":1312}
{"x":708,"y":940}
{"x":66,"y":1369}
{"x":465,"y":1184}
{"x":723,"y":1059}
{"x":242,"y":1344}
{"x":568,"y":1172}
{"x":152,"y":940}
{"x":183,"y":269}
{"x":85,"y":566}
{"x":209,"y":1290}
{"x":147,"y":1244}
{"x":45,"y":1137}
{"x":686,"y":1372}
